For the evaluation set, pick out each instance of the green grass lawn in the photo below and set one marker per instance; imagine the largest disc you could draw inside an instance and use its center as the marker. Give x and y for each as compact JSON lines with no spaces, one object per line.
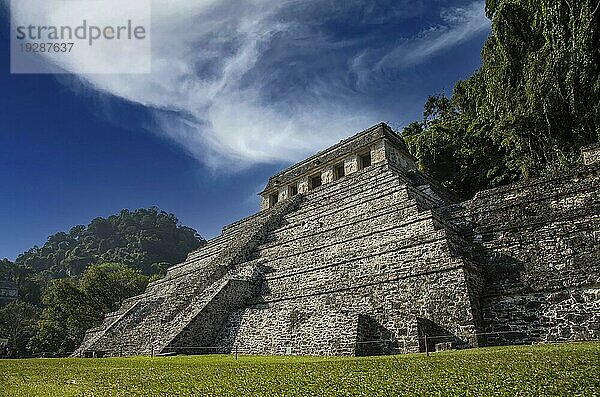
{"x":552,"y":370}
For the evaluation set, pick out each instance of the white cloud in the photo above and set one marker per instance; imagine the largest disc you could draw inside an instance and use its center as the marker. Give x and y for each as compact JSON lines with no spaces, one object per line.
{"x":228,"y":80}
{"x":460,"y":25}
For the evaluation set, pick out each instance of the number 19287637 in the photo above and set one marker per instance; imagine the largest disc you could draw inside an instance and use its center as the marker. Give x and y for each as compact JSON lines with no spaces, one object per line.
{"x":47,"y":47}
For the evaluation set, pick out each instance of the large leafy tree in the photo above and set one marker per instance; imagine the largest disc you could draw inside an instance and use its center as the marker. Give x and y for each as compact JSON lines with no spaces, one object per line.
{"x":529,"y":109}
{"x":455,"y":147}
{"x":17,"y":324}
{"x":105,"y":286}
{"x":66,"y":316}
{"x":70,"y":308}
{"x":30,"y":283}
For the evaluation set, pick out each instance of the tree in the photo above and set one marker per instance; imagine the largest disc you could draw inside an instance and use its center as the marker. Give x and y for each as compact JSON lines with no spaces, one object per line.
{"x":529,"y":109}
{"x":65,"y":317}
{"x":17,"y":324}
{"x":454,"y":148}
{"x":107,"y":285}
{"x":138,"y":239}
{"x":29,"y":283}
{"x":72,"y":308}
{"x":7,"y":270}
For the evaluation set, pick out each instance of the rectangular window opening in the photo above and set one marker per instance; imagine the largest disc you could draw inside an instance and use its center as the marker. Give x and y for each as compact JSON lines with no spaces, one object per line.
{"x":273,"y":199}
{"x":339,"y":171}
{"x":365,"y":160}
{"x":293,"y":190}
{"x":315,"y":181}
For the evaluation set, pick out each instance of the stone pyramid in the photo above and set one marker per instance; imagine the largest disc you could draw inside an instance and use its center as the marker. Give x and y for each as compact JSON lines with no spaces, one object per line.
{"x":356,"y":252}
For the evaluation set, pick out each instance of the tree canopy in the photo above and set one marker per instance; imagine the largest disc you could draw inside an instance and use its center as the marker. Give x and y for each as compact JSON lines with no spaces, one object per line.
{"x":146,"y":239}
{"x":71,"y":307}
{"x":531,"y":106}
{"x":17,"y":324}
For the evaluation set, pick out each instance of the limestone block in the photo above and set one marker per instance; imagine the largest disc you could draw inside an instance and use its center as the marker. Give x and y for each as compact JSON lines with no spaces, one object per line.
{"x":397,"y":158}
{"x":378,"y":152}
{"x":264,"y":202}
{"x":351,"y":164}
{"x":327,"y":175}
{"x":303,"y":185}
{"x":591,"y":155}
{"x":284,"y":193}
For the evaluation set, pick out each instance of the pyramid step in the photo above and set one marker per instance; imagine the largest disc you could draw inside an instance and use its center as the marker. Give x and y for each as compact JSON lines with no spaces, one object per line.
{"x":368,"y":207}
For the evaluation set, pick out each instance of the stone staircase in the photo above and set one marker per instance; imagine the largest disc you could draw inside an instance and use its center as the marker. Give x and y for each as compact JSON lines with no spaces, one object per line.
{"x":372,"y":260}
{"x":377,"y":218}
{"x":153,"y":321}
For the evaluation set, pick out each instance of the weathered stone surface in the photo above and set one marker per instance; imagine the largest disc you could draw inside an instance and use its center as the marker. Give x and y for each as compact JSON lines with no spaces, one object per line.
{"x":379,"y":143}
{"x":537,"y":244}
{"x":591,"y":154}
{"x":378,"y":259}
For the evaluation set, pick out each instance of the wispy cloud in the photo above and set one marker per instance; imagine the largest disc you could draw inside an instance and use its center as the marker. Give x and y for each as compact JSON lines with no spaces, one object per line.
{"x":239,"y":82}
{"x":459,"y":25}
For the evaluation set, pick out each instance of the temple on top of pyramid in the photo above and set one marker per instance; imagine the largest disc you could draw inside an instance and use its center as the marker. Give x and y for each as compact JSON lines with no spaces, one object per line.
{"x":374,"y":146}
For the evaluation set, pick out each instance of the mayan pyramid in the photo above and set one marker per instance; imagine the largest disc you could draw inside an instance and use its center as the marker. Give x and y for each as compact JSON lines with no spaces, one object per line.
{"x":356,"y":252}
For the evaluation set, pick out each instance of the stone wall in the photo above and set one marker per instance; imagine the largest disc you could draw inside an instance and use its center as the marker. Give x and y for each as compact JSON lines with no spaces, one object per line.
{"x":379,"y":144}
{"x":591,"y":154}
{"x":397,"y":158}
{"x":328,"y":317}
{"x":547,"y":316}
{"x":358,"y":248}
{"x":200,"y":333}
{"x":538,"y":246}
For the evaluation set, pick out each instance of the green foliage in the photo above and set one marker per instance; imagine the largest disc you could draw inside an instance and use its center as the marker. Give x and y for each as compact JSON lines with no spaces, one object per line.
{"x":529,"y":109}
{"x":66,"y":316}
{"x":70,"y":308}
{"x":454,"y":147}
{"x":550,"y":370}
{"x":145,"y":239}
{"x":8,"y":271}
{"x":61,"y":276}
{"x":30,"y":283}
{"x":105,"y":286}
{"x":17,"y":324}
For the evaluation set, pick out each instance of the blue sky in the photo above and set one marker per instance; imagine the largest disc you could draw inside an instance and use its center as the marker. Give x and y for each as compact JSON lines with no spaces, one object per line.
{"x":239,"y":90}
